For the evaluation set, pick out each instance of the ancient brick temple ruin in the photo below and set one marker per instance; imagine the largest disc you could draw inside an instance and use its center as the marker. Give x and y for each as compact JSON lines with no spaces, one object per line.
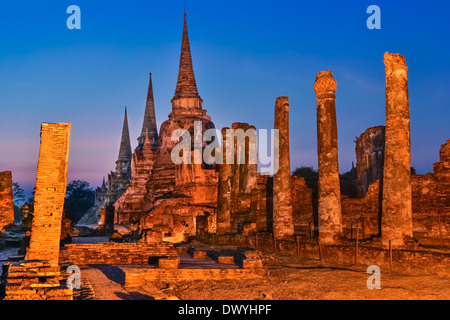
{"x":177,"y":201}
{"x":369,"y":158}
{"x":158,"y":205}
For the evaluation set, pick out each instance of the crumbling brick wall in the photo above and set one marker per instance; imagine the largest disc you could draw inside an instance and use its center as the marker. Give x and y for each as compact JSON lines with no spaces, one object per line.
{"x":6,"y":199}
{"x":302,"y":205}
{"x":430,"y":206}
{"x":253,"y":212}
{"x":369,"y":158}
{"x":119,"y":253}
{"x":363,"y":213}
{"x":431,"y":202}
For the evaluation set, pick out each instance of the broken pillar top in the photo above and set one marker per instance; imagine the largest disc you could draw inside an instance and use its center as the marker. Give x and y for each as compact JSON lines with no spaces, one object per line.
{"x":241,"y":125}
{"x":394,"y":61}
{"x":282,"y":102}
{"x":325,"y":83}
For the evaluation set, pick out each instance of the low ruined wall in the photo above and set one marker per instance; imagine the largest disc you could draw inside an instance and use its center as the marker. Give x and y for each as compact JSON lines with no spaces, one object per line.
{"x":302,"y":204}
{"x":118,"y":253}
{"x":138,"y":277}
{"x":403,"y":261}
{"x":362,"y":212}
{"x":431,"y":210}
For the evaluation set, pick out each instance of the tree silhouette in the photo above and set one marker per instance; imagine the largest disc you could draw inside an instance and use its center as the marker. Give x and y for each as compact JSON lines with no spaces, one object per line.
{"x":347,"y":181}
{"x":19,"y":194}
{"x":79,"y":198}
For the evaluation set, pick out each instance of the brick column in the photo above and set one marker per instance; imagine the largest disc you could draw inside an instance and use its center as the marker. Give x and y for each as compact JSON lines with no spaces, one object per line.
{"x":330,"y":219}
{"x":251,"y":158}
{"x":282,"y":207}
{"x":51,"y":183}
{"x":6,"y":199}
{"x":396,"y":221}
{"x":224,"y":188}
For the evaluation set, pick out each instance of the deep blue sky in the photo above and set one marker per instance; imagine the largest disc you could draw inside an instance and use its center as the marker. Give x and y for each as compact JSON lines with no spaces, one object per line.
{"x":245,"y":54}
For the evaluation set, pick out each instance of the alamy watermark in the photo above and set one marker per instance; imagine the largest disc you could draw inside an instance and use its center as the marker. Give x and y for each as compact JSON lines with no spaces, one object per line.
{"x":74,"y":280}
{"x":241,"y":147}
{"x":74,"y":20}
{"x":374,"y":21}
{"x":374,"y":281}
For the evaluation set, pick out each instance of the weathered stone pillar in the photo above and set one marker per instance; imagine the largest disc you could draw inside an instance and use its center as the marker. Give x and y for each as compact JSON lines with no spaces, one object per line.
{"x":330,"y":219}
{"x":396,"y":221}
{"x":51,"y":183}
{"x":251,"y":157}
{"x":6,"y":199}
{"x":224,"y":189}
{"x":109,"y":220}
{"x":282,"y":207}
{"x":101,"y":222}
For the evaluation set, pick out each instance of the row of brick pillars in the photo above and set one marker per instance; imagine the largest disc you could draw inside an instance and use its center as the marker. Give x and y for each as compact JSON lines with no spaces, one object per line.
{"x":396,"y":221}
{"x":396,"y":206}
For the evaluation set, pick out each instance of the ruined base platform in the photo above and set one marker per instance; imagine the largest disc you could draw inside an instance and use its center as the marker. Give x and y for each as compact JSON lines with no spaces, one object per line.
{"x":192,"y":268}
{"x":419,"y":261}
{"x":34,"y":281}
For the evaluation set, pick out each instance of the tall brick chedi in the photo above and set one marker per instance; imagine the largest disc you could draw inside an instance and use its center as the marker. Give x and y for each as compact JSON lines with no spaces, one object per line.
{"x":396,"y":221}
{"x":180,"y":199}
{"x":51,"y":183}
{"x":330,"y":219}
{"x":282,"y":206}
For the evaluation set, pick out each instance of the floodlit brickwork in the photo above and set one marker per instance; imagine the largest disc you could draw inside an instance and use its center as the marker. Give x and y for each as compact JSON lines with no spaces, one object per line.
{"x":51,"y":182}
{"x":6,"y":199}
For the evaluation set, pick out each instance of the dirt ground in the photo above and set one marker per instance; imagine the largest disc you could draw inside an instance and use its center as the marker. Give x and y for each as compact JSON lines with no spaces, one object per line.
{"x":284,"y":279}
{"x":291,"y":279}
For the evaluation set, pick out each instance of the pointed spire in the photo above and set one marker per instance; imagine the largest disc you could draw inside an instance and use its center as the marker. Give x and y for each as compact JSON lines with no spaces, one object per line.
{"x":149,"y":123}
{"x":104,"y":183}
{"x":186,"y":85}
{"x":125,"y":145}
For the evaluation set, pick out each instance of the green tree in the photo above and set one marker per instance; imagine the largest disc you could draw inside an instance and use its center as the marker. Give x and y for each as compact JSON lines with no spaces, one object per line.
{"x":31,"y":199}
{"x":347,"y":181}
{"x":79,"y":198}
{"x":348,"y":184}
{"x":311,"y":177}
{"x":19,"y":194}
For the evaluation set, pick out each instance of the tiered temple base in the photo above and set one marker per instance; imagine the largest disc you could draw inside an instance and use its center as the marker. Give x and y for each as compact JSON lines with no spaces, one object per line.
{"x":35,"y":281}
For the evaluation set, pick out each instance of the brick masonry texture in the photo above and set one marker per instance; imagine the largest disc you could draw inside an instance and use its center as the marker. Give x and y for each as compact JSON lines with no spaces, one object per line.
{"x":330,"y":220}
{"x":369,"y":151}
{"x":51,"y":182}
{"x":405,"y":261}
{"x":139,"y":276}
{"x":36,"y":281}
{"x":119,"y":253}
{"x":282,"y":206}
{"x":6,"y":199}
{"x":396,"y":222}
